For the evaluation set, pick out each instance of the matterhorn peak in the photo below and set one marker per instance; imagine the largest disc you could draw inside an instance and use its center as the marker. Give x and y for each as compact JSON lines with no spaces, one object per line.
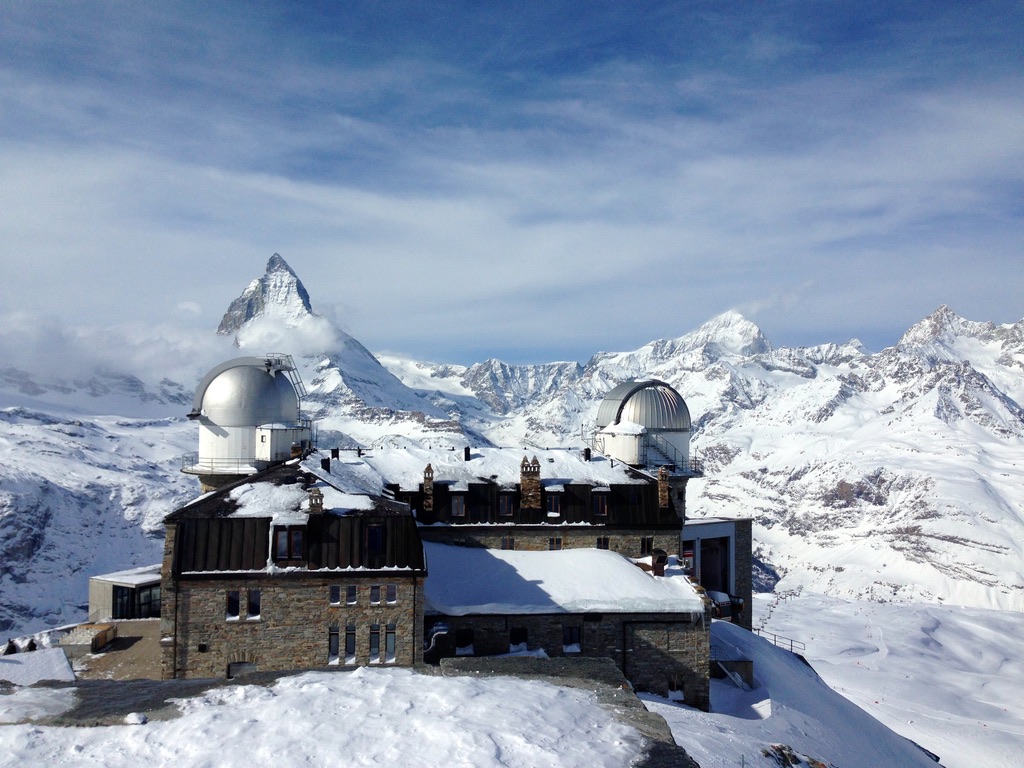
{"x":279,"y":293}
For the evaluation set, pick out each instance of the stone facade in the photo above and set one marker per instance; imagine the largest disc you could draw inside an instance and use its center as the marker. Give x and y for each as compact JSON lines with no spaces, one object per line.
{"x":294,"y":625}
{"x":538,"y":538}
{"x":656,"y":652}
{"x":743,"y":565}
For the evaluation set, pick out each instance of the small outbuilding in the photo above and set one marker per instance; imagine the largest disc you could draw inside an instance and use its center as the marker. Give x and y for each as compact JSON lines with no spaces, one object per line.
{"x":129,"y":594}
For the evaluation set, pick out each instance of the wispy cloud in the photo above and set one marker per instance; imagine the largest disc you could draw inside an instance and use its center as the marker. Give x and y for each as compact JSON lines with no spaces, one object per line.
{"x":528,"y":185}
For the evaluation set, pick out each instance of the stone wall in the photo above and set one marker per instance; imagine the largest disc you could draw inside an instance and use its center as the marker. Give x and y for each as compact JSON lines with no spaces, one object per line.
{"x":628,"y":543}
{"x":743,"y":565}
{"x":292,"y":630}
{"x":656,"y":652}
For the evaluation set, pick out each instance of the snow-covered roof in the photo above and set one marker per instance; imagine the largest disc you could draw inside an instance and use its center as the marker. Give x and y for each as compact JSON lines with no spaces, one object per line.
{"x":34,"y":666}
{"x":470,"y":580}
{"x":289,"y":504}
{"x":132,"y":577}
{"x":404,"y":466}
{"x":624,"y":428}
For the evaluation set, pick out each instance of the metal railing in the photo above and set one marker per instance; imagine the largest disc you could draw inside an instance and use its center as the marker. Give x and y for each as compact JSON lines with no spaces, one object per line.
{"x":190,"y":464}
{"x":791,"y":645}
{"x":684,"y":466}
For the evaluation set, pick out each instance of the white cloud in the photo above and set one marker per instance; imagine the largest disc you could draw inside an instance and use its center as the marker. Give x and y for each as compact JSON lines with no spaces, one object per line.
{"x":438,"y":206}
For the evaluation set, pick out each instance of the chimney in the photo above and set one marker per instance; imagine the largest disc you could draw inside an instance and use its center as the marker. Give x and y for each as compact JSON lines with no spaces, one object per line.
{"x":664,"y":501}
{"x":428,"y":489}
{"x":529,"y":484}
{"x":335,"y":453}
{"x":466,"y":454}
{"x":586,"y":454}
{"x":325,"y":465}
{"x":659,"y":559}
{"x":316,"y":502}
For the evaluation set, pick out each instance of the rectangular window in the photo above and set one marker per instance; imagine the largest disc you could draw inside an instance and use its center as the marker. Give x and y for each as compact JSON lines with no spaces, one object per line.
{"x":508,"y":542}
{"x":517,"y":639}
{"x":571,"y":639}
{"x":599,"y":504}
{"x":375,"y":539}
{"x":350,"y":644}
{"x":458,"y":506}
{"x":333,"y":639}
{"x":149,"y":602}
{"x":253,"y":605}
{"x":375,"y":643}
{"x":351,"y":594}
{"x":335,"y":594}
{"x":389,"y":644}
{"x":375,"y":594}
{"x":555,"y":542}
{"x":505,"y":504}
{"x":554,"y":504}
{"x":234,"y":605}
{"x":288,"y":544}
{"x":646,"y":545}
{"x":464,"y":641}
{"x":392,"y":594}
{"x":602,"y":542}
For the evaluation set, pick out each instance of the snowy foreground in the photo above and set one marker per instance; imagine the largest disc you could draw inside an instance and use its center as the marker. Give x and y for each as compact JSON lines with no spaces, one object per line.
{"x":948,"y":678}
{"x":371,"y":717}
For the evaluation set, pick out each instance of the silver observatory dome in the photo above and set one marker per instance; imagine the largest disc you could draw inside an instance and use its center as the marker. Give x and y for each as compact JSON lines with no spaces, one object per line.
{"x":651,"y":403}
{"x":246,"y":392}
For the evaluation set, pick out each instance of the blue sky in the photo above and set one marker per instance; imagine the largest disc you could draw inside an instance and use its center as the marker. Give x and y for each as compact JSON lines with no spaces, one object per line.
{"x":527,"y":181}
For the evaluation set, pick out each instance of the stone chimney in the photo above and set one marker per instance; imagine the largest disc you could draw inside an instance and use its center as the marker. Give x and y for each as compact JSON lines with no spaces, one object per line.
{"x":664,"y":497}
{"x":316,"y":502}
{"x":529,"y":484}
{"x":428,"y":489}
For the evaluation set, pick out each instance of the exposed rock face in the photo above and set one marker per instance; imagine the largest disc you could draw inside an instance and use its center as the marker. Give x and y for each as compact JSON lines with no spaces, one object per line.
{"x":279,"y":292}
{"x":893,"y":475}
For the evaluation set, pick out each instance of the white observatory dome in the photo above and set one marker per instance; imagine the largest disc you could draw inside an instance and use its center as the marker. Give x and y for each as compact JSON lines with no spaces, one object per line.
{"x":249,"y":395}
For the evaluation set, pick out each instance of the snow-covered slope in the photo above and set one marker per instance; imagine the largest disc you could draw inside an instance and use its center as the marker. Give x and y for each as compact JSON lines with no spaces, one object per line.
{"x":79,"y":497}
{"x":891,"y":476}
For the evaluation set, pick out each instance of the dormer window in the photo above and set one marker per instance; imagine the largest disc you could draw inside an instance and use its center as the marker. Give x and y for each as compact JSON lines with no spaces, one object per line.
{"x":288,"y":541}
{"x":554,"y":504}
{"x":458,"y":505}
{"x":506,"y":504}
{"x":376,"y":544}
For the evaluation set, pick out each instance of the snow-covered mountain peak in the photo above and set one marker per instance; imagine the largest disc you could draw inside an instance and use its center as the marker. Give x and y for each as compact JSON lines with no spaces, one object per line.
{"x":731,"y":334}
{"x":279,"y":294}
{"x":942,"y":325}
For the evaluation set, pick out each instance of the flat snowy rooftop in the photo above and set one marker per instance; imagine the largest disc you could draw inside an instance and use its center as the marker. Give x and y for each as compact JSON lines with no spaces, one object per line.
{"x":132,"y":577}
{"x":29,"y":667}
{"x":405,"y":465}
{"x":468,"y":580}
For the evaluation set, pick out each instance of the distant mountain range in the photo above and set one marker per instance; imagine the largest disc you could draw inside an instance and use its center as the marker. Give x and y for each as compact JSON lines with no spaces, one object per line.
{"x":894,"y":475}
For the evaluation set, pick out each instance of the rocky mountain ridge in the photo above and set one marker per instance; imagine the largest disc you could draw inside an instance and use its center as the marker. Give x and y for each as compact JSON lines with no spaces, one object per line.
{"x":890,"y":476}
